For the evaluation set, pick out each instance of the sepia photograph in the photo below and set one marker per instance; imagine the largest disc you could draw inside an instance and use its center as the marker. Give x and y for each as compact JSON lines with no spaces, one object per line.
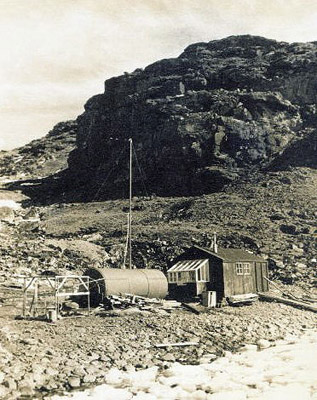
{"x":158,"y":199}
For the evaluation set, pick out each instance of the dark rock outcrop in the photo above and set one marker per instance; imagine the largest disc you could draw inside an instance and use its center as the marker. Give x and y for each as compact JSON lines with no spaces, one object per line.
{"x":200,"y":120}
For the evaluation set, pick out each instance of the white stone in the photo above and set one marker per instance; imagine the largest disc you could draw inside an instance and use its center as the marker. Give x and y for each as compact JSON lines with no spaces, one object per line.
{"x":234,"y":395}
{"x":142,"y":380}
{"x":249,"y":347}
{"x":263,"y":344}
{"x":108,"y":392}
{"x":144,"y":396}
{"x":199,"y":395}
{"x":114,"y":377}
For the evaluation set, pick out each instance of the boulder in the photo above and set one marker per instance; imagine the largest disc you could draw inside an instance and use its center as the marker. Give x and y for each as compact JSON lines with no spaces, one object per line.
{"x":6,"y":214}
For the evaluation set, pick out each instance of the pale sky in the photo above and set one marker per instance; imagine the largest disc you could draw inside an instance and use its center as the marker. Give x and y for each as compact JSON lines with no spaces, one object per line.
{"x":55,"y":54}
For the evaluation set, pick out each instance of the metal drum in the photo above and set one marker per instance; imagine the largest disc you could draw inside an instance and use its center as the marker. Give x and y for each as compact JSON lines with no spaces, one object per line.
{"x":105,"y":282}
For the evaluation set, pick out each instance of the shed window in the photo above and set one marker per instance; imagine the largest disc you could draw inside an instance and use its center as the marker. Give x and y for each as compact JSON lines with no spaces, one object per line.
{"x":246,"y":268}
{"x":239,"y":268}
{"x":202,"y":273}
{"x":243,"y":268}
{"x":199,"y":275}
{"x":192,"y":276}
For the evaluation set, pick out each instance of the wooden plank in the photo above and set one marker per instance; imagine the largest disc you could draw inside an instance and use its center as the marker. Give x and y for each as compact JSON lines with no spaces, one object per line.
{"x":243,"y":298}
{"x":61,"y":294}
{"x":294,"y":303}
{"x":191,"y":307}
{"x":286,"y":293}
{"x":181,"y":344}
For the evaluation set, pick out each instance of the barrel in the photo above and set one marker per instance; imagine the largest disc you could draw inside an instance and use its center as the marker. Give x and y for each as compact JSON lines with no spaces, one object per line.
{"x":105,"y":282}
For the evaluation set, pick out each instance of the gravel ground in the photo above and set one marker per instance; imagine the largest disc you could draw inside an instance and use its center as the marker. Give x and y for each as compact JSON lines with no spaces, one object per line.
{"x":284,"y":370}
{"x":38,"y":359}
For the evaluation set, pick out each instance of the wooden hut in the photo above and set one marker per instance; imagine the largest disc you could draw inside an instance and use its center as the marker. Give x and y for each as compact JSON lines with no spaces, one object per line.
{"x":228,"y":272}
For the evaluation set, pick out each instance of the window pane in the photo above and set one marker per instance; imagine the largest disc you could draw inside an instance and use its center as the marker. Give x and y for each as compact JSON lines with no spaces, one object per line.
{"x":203,"y":273}
{"x":199,"y":275}
{"x":246,"y":268}
{"x":239,"y":269}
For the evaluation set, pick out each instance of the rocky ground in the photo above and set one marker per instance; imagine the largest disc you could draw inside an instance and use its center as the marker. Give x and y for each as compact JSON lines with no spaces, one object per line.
{"x":274,"y":215}
{"x":271,"y":214}
{"x":285,"y":369}
{"x":41,"y":157}
{"x":38,"y":358}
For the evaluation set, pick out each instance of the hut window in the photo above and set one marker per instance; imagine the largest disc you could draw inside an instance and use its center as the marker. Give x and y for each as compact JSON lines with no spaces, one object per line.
{"x":239,"y":268}
{"x":246,"y":269}
{"x":171,"y":277}
{"x":198,"y":275}
{"x":202,"y":274}
{"x":192,"y":276}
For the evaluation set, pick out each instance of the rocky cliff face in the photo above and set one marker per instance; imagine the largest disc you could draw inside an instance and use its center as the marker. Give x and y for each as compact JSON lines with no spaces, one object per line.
{"x":41,"y":157}
{"x":202,"y":119}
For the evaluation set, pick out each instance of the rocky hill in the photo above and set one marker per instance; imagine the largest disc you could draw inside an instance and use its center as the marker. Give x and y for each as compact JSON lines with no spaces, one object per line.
{"x":41,"y":157}
{"x":233,"y":118}
{"x":202,"y":119}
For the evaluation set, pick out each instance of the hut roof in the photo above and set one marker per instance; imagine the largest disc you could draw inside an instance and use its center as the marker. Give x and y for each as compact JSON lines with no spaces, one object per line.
{"x":187,"y":265}
{"x":232,"y":255}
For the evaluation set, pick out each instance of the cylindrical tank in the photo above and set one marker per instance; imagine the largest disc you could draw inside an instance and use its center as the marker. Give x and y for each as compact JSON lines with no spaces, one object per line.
{"x":110,"y":281}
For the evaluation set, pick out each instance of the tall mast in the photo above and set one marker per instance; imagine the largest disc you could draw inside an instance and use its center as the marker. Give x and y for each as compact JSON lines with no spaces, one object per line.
{"x":130,"y":205}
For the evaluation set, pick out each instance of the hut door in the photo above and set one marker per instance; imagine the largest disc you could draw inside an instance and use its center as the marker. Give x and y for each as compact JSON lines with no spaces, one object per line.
{"x":248,"y":286}
{"x":258,"y":277}
{"x":265,"y":283}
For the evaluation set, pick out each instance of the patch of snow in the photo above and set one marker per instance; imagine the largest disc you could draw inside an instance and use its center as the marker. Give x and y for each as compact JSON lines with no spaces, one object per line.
{"x":10,"y":203}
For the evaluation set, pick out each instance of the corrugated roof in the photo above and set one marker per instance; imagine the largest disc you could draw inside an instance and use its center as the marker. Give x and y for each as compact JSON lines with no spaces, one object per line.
{"x":187,"y":265}
{"x":234,"y":255}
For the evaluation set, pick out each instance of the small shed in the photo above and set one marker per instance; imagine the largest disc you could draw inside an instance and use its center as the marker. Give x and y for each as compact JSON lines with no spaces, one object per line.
{"x":229,"y":272}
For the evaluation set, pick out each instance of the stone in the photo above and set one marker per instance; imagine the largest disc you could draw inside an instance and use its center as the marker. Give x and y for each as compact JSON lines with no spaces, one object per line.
{"x":89,"y":378}
{"x":288,"y":229}
{"x":168,"y":357}
{"x":263,"y":344}
{"x":10,"y":383}
{"x":26,"y":390}
{"x":3,"y":391}
{"x":6,"y":214}
{"x":114,"y":377}
{"x":74,"y":382}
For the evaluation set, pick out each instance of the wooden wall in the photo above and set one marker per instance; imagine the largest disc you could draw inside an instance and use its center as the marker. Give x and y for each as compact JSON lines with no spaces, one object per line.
{"x":238,"y":284}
